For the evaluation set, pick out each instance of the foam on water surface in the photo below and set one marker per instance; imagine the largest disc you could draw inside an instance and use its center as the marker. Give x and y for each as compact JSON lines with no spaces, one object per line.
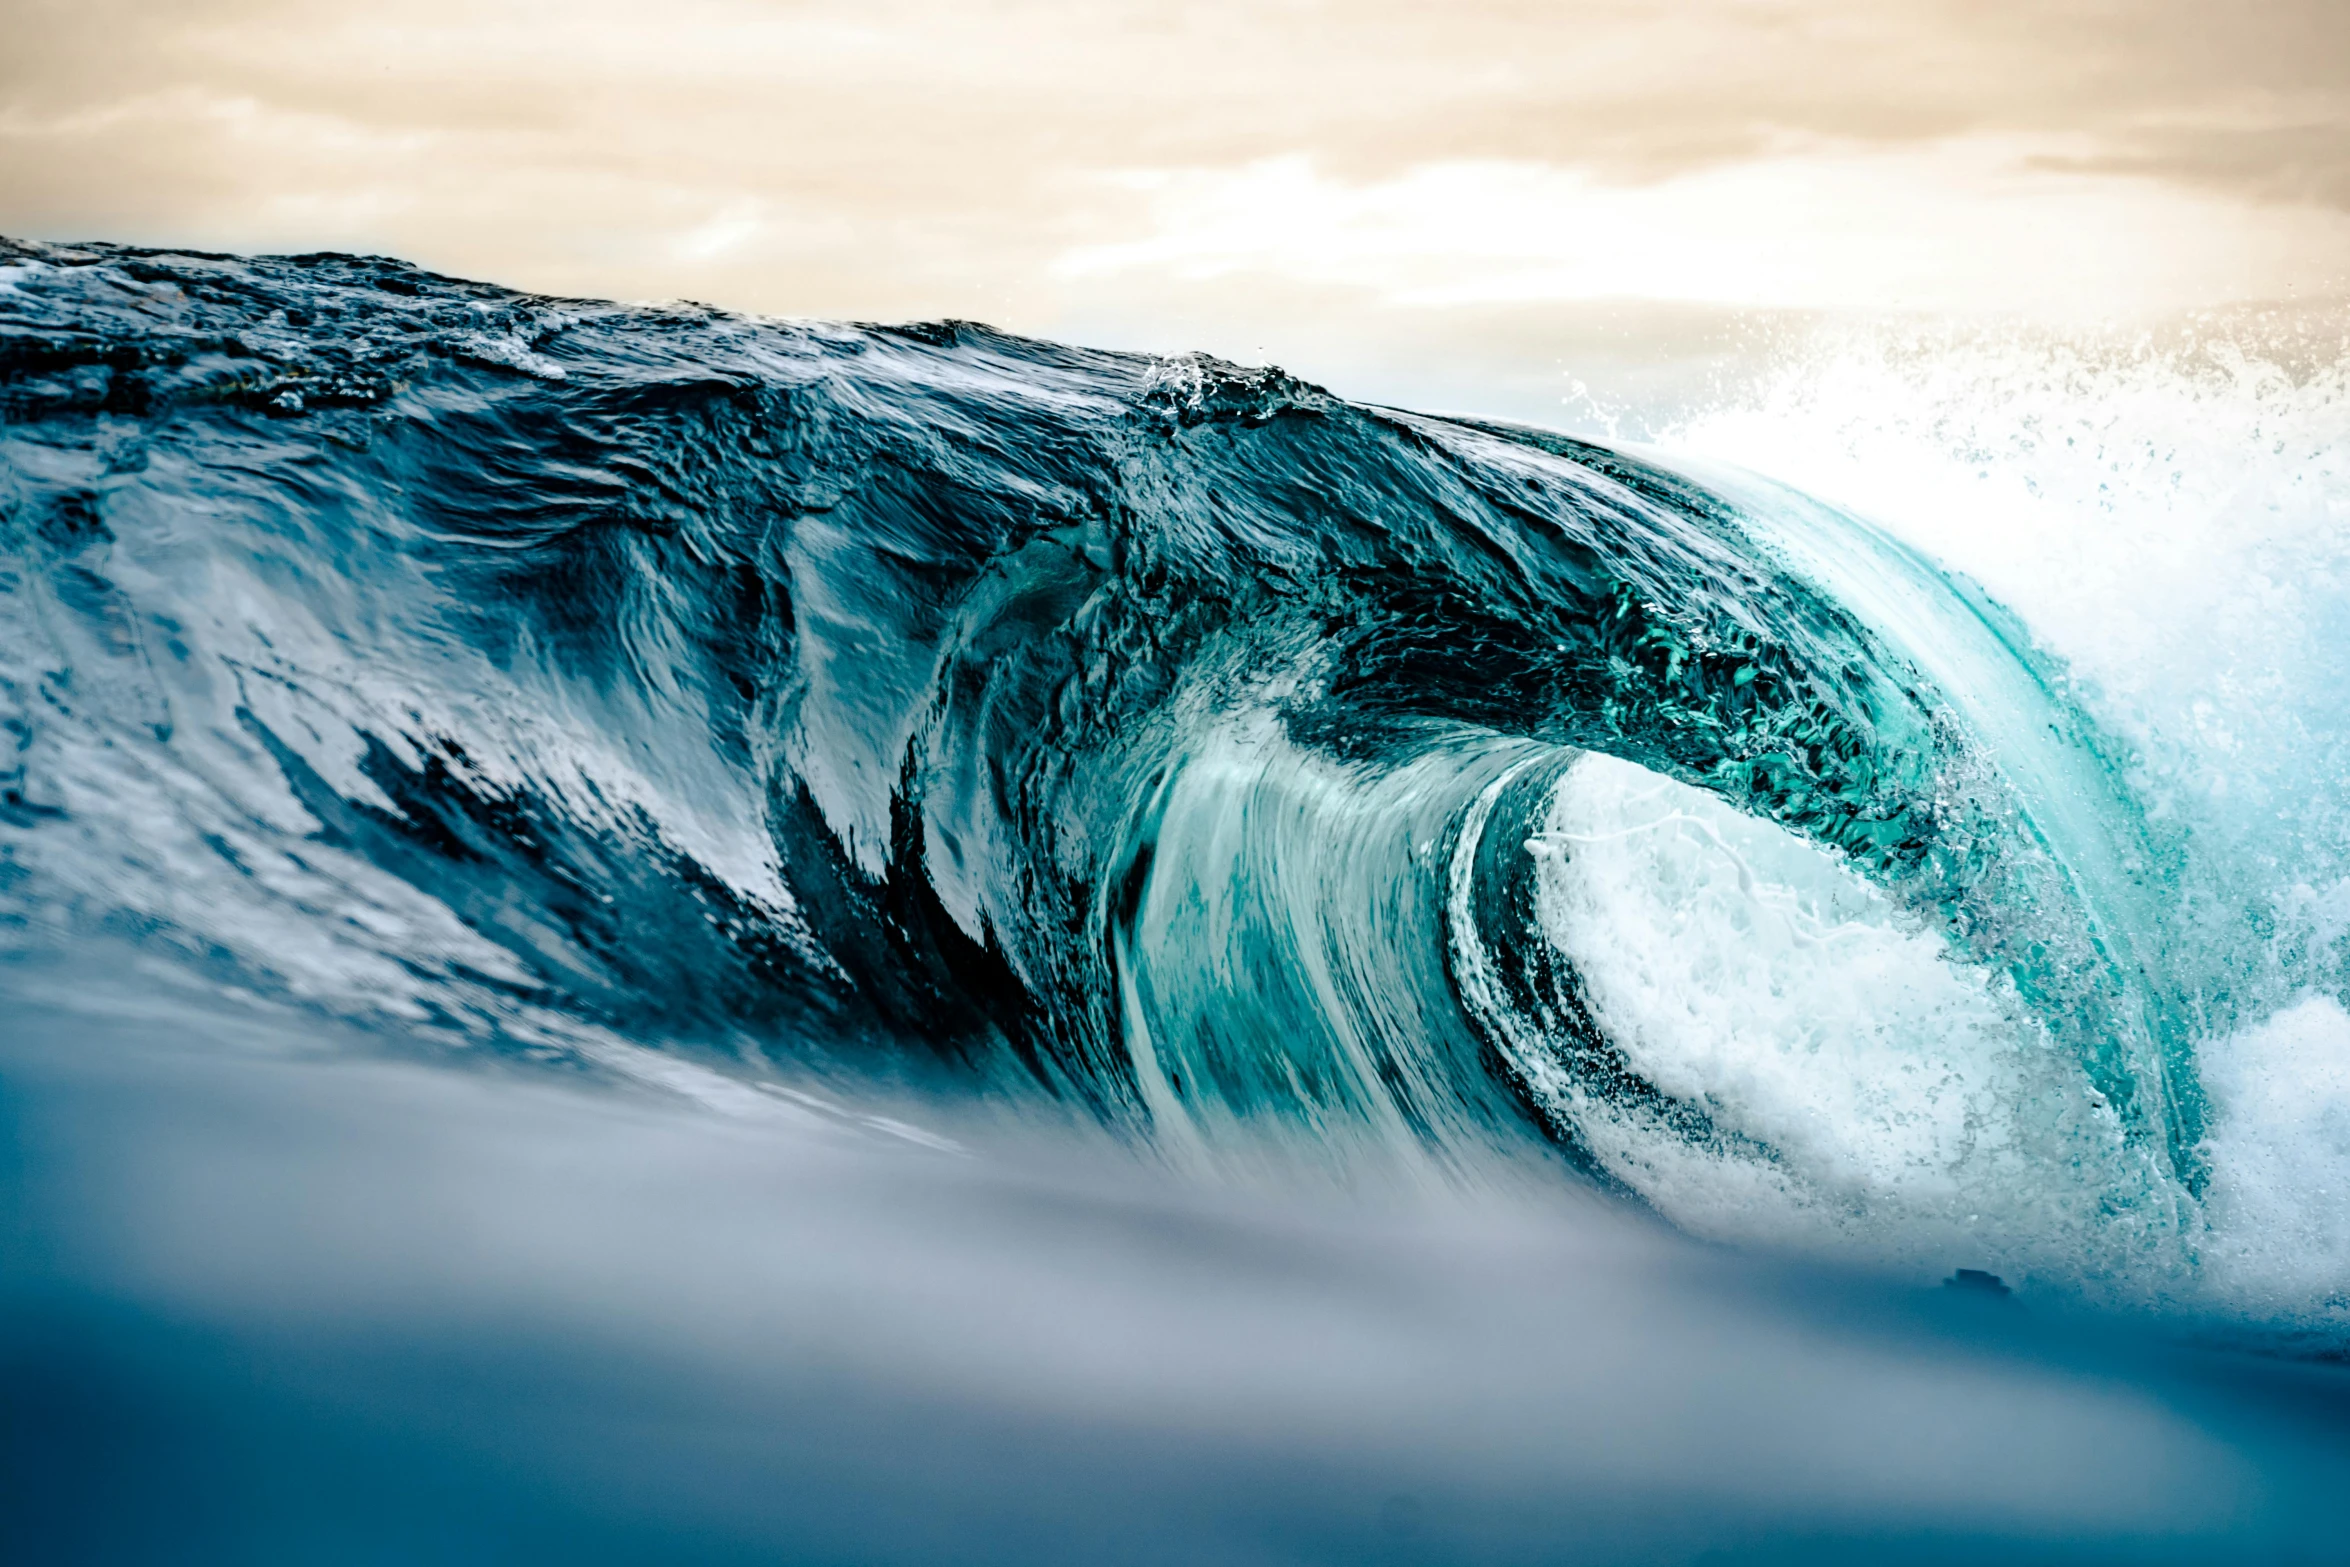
{"x":1866,"y":1084}
{"x":2171,"y":522}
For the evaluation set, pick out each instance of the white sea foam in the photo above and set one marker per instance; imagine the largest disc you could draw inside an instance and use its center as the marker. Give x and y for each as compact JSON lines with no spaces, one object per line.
{"x":2173,"y":522}
{"x":2280,"y":1156}
{"x":1866,"y":1085}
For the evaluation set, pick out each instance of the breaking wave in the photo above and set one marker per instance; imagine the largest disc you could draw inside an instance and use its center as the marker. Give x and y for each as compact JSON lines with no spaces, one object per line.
{"x":1277,"y":781}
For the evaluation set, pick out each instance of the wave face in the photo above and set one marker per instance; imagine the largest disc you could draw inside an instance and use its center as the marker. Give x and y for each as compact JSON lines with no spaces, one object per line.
{"x":1273,"y":779}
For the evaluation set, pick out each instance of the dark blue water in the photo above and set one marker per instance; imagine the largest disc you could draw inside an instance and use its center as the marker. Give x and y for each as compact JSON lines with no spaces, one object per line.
{"x":636,"y":934}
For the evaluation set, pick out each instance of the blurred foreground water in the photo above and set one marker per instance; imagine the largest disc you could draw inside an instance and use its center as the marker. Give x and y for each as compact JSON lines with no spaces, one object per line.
{"x":265,"y":1304}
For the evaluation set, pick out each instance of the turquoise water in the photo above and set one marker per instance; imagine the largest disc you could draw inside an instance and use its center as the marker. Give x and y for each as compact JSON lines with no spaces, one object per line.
{"x":1886,"y":822}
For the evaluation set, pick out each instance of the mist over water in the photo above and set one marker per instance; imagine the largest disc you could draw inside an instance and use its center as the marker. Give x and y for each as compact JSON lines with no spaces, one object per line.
{"x":637,"y":932}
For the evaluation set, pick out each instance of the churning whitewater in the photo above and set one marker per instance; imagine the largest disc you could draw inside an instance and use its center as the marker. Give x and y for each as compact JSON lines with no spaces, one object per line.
{"x":1278,"y":781}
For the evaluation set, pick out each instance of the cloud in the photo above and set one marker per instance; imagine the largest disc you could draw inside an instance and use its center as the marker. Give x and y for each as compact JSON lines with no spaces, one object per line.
{"x":1032,"y":162}
{"x":1970,"y":225}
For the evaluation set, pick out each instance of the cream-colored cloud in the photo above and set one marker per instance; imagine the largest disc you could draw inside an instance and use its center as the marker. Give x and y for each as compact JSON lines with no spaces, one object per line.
{"x":1048,"y":162}
{"x":1975,"y":225}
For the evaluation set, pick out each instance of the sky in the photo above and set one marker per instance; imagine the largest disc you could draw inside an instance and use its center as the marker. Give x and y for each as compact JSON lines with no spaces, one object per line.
{"x":1484,"y":203}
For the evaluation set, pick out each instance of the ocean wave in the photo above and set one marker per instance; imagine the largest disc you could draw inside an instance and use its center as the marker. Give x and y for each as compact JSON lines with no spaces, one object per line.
{"x":1266,"y":777}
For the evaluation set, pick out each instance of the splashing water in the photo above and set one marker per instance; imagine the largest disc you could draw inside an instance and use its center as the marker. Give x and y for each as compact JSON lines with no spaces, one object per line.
{"x":2171,"y":521}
